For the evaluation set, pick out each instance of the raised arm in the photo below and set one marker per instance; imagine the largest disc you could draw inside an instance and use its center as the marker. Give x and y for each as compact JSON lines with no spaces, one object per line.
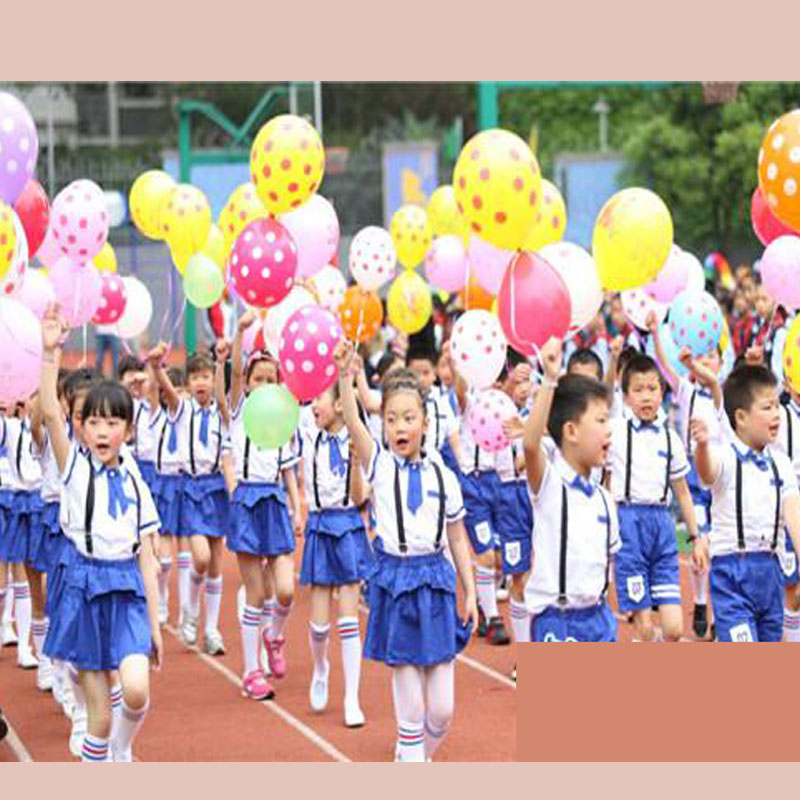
{"x":343,"y":355}
{"x":614,"y":352}
{"x":153,"y":399}
{"x":237,"y":368}
{"x":37,"y":423}
{"x":672,"y":377}
{"x":53,"y":331}
{"x":223,"y":349}
{"x":708,"y":466}
{"x":156,"y":359}
{"x":704,"y":376}
{"x":359,"y":488}
{"x":368,"y":402}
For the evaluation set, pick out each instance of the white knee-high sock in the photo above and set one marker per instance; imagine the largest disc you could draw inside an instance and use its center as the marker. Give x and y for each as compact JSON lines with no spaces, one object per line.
{"x":213,"y":602}
{"x":130,"y":722}
{"x":3,"y":593}
{"x":791,"y":625}
{"x":251,"y":623}
{"x":195,"y":585}
{"x":318,"y":638}
{"x":115,"y":697}
{"x":279,"y":620}
{"x":487,"y":594}
{"x":409,"y":703}
{"x":23,"y":611}
{"x":439,"y":704}
{"x":95,"y":748}
{"x":699,"y":587}
{"x":184,"y":579}
{"x":350,"y":638}
{"x":520,"y":621}
{"x":165,"y":563}
{"x":39,"y":632}
{"x":8,"y":610}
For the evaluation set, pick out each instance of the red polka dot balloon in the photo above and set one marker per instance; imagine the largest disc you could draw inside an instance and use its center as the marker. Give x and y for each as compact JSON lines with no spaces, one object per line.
{"x":263,"y":263}
{"x":80,"y":220}
{"x":113,"y":299}
{"x":372,"y":257}
{"x":478,"y":348}
{"x":485,"y":416}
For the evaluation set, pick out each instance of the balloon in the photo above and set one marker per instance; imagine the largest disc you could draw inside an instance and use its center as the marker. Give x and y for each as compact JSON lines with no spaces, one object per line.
{"x":138,"y":310}
{"x":78,"y":289}
{"x":637,"y":305}
{"x":315,"y":230}
{"x":149,"y":193}
{"x":271,"y":415}
{"x":242,"y":208}
{"x":577,"y":269}
{"x":766,"y":225}
{"x":498,"y":187}
{"x":372,"y":258}
{"x":791,"y":355}
{"x":779,"y":168}
{"x":331,"y":287}
{"x":214,"y":248}
{"x":19,"y":147}
{"x":361,"y":314}
{"x":443,"y":214}
{"x":8,"y":240}
{"x":33,"y":210}
{"x":306,"y":352}
{"x":14,"y":278}
{"x":695,"y":321}
{"x":632,"y":239}
{"x":475,"y":296}
{"x":486,"y":414}
{"x":36,"y":292}
{"x":411,"y":235}
{"x":287,"y":163}
{"x":725,"y":337}
{"x":671,"y":351}
{"x":780,"y":271}
{"x":21,"y":353}
{"x":551,"y":219}
{"x":533,"y":303}
{"x":263,"y":263}
{"x":488,"y":263}
{"x":716,"y":267}
{"x":672,"y":278}
{"x":50,"y":250}
{"x":113,"y":299}
{"x":80,"y":220}
{"x":697,"y":276}
{"x":185,"y":223}
{"x":203,"y":283}
{"x":478,"y":348}
{"x":279,"y":314}
{"x":446,"y":264}
{"x":106,"y":259}
{"x":409,"y":303}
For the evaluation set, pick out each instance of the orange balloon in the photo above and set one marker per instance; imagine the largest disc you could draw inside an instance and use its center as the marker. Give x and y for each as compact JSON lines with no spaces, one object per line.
{"x":476,"y":297}
{"x":779,"y":168}
{"x":361,"y":314}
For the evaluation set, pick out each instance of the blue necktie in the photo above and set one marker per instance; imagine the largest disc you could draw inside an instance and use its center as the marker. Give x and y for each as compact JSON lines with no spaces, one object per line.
{"x":582,"y":485}
{"x":172,"y":444}
{"x":116,"y":493}
{"x":205,"y":413}
{"x":336,"y":462}
{"x":414,"y":497}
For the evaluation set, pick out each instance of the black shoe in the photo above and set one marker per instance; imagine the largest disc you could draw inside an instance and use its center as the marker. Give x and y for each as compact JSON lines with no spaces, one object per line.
{"x":496,"y":633}
{"x":3,"y":726}
{"x":700,"y":620}
{"x":481,"y":623}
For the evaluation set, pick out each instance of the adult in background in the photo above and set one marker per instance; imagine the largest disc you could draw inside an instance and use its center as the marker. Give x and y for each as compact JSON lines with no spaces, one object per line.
{"x":106,"y":341}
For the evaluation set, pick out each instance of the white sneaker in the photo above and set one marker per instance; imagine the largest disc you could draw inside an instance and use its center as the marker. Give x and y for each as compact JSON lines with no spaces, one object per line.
{"x":502,"y":594}
{"x":120,"y":756}
{"x":78,"y":733}
{"x":67,"y":699}
{"x":353,"y":716}
{"x":213,"y":643}
{"x":44,"y":675}
{"x":318,"y":693}
{"x":189,"y":630}
{"x":8,"y":635}
{"x":26,"y":659}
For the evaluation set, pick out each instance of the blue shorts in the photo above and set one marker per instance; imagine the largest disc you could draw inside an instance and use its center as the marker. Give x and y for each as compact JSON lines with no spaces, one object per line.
{"x":646,"y":567}
{"x":480,"y":491}
{"x":596,"y":624}
{"x":747,"y":595}
{"x":515,"y":526}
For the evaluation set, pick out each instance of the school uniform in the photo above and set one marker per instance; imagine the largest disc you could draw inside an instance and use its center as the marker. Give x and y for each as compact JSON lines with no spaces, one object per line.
{"x":145,"y":442}
{"x":746,"y":508}
{"x":442,"y":422}
{"x":413,"y":617}
{"x":168,"y":493}
{"x":49,"y":530}
{"x":575,"y":534}
{"x":788,"y":442}
{"x":6,"y":493}
{"x":99,"y":607}
{"x":260,"y":523}
{"x":336,"y":550}
{"x":644,"y":460}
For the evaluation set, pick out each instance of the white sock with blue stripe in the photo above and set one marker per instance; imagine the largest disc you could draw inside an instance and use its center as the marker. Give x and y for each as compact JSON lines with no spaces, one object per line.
{"x":23,"y":612}
{"x":487,"y":594}
{"x":251,"y":626}
{"x":350,"y":638}
{"x":520,"y":621}
{"x":411,"y":741}
{"x":115,"y":697}
{"x":213,"y":602}
{"x":791,"y":625}
{"x":130,"y":723}
{"x":184,"y":579}
{"x":95,"y":748}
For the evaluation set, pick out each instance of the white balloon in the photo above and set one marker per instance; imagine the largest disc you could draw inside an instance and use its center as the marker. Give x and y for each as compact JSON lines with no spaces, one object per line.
{"x":697,"y":275}
{"x":478,"y":348}
{"x":138,"y":310}
{"x":36,"y":292}
{"x":372,"y":257}
{"x":579,"y":272}
{"x":279,"y":314}
{"x":331,"y":287}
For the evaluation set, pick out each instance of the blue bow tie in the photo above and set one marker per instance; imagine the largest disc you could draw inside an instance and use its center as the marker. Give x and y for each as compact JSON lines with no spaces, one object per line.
{"x":761,"y":461}
{"x":117,"y":499}
{"x":646,"y":426}
{"x":414,"y":497}
{"x":582,"y":485}
{"x":335,"y":454}
{"x":702,"y":392}
{"x":172,"y":444}
{"x":205,"y":413}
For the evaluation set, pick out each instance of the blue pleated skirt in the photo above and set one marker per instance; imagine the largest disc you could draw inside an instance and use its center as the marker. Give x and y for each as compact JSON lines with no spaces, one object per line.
{"x":98,"y":612}
{"x":168,"y":497}
{"x":6,"y":503}
{"x":260,"y":523}
{"x":205,"y":506}
{"x":413,"y":615}
{"x":20,"y":538}
{"x":336,"y":550}
{"x":44,"y":542}
{"x":147,"y":469}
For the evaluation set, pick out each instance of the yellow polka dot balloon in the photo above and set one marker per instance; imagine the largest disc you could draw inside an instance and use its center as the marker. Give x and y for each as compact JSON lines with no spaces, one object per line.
{"x":443,"y":213}
{"x":106,"y":259}
{"x":214,"y":247}
{"x":551,"y":219}
{"x":779,"y":168}
{"x":242,"y":208}
{"x":8,"y":239}
{"x":409,"y":304}
{"x":147,"y":195}
{"x":791,"y":355}
{"x":411,"y":235}
{"x":185,"y":223}
{"x":498,"y":188}
{"x":287,"y":162}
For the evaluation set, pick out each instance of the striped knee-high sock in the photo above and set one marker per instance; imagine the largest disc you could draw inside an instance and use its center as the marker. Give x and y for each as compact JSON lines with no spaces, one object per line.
{"x":251,"y":622}
{"x":165,"y":564}
{"x":184,"y":579}
{"x":318,"y":638}
{"x":791,"y":625}
{"x":433,"y":737}
{"x":520,"y":621}
{"x":8,"y":610}
{"x":279,"y":620}
{"x":213,"y":602}
{"x":115,"y":697}
{"x":130,"y":722}
{"x":350,"y":639}
{"x":39,"y":633}
{"x":487,"y":594}
{"x":23,"y":611}
{"x":411,"y":741}
{"x":95,"y":748}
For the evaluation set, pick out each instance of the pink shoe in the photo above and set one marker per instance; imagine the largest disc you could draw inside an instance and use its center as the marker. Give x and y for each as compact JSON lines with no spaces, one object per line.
{"x":275,"y":656}
{"x":256,"y":686}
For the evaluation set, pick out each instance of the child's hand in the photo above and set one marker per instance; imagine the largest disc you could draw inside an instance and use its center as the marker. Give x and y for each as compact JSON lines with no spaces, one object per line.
{"x":157,"y":355}
{"x":685,"y":357}
{"x":551,"y":358}
{"x":245,"y":321}
{"x":513,"y":428}
{"x":471,"y":610}
{"x":223,"y":350}
{"x":652,"y":322}
{"x":754,"y":355}
{"x":699,"y":431}
{"x":700,"y":554}
{"x":343,"y":355}
{"x":157,"y":652}
{"x":358,"y":363}
{"x":297,"y":525}
{"x":54,"y":329}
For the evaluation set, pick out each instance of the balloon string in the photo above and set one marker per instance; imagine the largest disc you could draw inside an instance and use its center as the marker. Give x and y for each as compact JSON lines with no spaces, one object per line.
{"x":168,"y":309}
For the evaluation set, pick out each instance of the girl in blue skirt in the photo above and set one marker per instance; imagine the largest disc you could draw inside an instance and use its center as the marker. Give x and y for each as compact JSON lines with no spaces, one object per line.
{"x":413,"y":624}
{"x":336,"y":552}
{"x":103,"y":594}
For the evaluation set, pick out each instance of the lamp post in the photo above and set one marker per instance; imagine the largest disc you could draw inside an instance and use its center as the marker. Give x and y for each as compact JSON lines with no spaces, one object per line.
{"x":602,"y":109}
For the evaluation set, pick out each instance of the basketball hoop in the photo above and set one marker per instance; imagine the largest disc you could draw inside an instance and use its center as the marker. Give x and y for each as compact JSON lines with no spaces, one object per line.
{"x":719,"y":92}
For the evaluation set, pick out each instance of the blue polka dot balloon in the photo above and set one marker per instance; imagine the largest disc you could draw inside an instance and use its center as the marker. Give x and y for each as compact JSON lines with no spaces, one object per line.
{"x":695,"y":321}
{"x":671,"y":350}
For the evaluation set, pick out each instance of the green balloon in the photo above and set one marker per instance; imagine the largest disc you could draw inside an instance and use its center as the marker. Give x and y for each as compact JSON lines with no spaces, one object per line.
{"x":203,"y":283}
{"x":271,"y":416}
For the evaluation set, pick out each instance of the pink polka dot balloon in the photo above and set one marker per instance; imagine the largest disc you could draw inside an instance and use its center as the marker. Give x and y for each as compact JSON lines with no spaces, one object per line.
{"x":11,"y":284}
{"x":113,"y":299}
{"x":330,"y":286}
{"x":19,"y":147}
{"x":21,"y":353}
{"x":372,"y":257}
{"x":50,"y":250}
{"x":446,"y":264}
{"x":80,"y":220}
{"x":695,"y":321}
{"x":315,"y":230}
{"x":478,"y":348}
{"x":306,"y":352}
{"x":78,"y":290}
{"x":486,"y":414}
{"x":637,"y":305}
{"x":263,"y":263}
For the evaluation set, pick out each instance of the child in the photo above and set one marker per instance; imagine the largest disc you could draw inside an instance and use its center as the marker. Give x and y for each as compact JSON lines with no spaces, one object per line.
{"x":753,"y":490}
{"x":260,"y":524}
{"x":575,"y":529}
{"x":413,"y":624}
{"x":104,"y":609}
{"x":585,"y":362}
{"x":204,"y":514}
{"x":646,"y":460}
{"x":7,"y":634}
{"x":336,"y":553}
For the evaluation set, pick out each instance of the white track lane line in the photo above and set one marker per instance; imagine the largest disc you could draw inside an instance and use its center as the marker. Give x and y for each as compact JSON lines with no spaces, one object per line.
{"x":270,"y":705}
{"x":15,"y":743}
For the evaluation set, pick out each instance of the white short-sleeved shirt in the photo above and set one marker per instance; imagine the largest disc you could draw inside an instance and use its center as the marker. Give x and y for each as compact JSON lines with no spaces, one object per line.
{"x":23,"y":460}
{"x":319,"y":479}
{"x":759,"y":497}
{"x":168,"y":460}
{"x":505,"y":460}
{"x":6,"y":476}
{"x":146,"y":428}
{"x":441,"y":421}
{"x":473,"y":458}
{"x":788,"y":440}
{"x":200,"y":458}
{"x":51,"y":475}
{"x":254,"y":464}
{"x":592,"y":537}
{"x":421,"y":528}
{"x":649,"y":454}
{"x":551,"y":450}
{"x":695,"y":402}
{"x":113,"y":538}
